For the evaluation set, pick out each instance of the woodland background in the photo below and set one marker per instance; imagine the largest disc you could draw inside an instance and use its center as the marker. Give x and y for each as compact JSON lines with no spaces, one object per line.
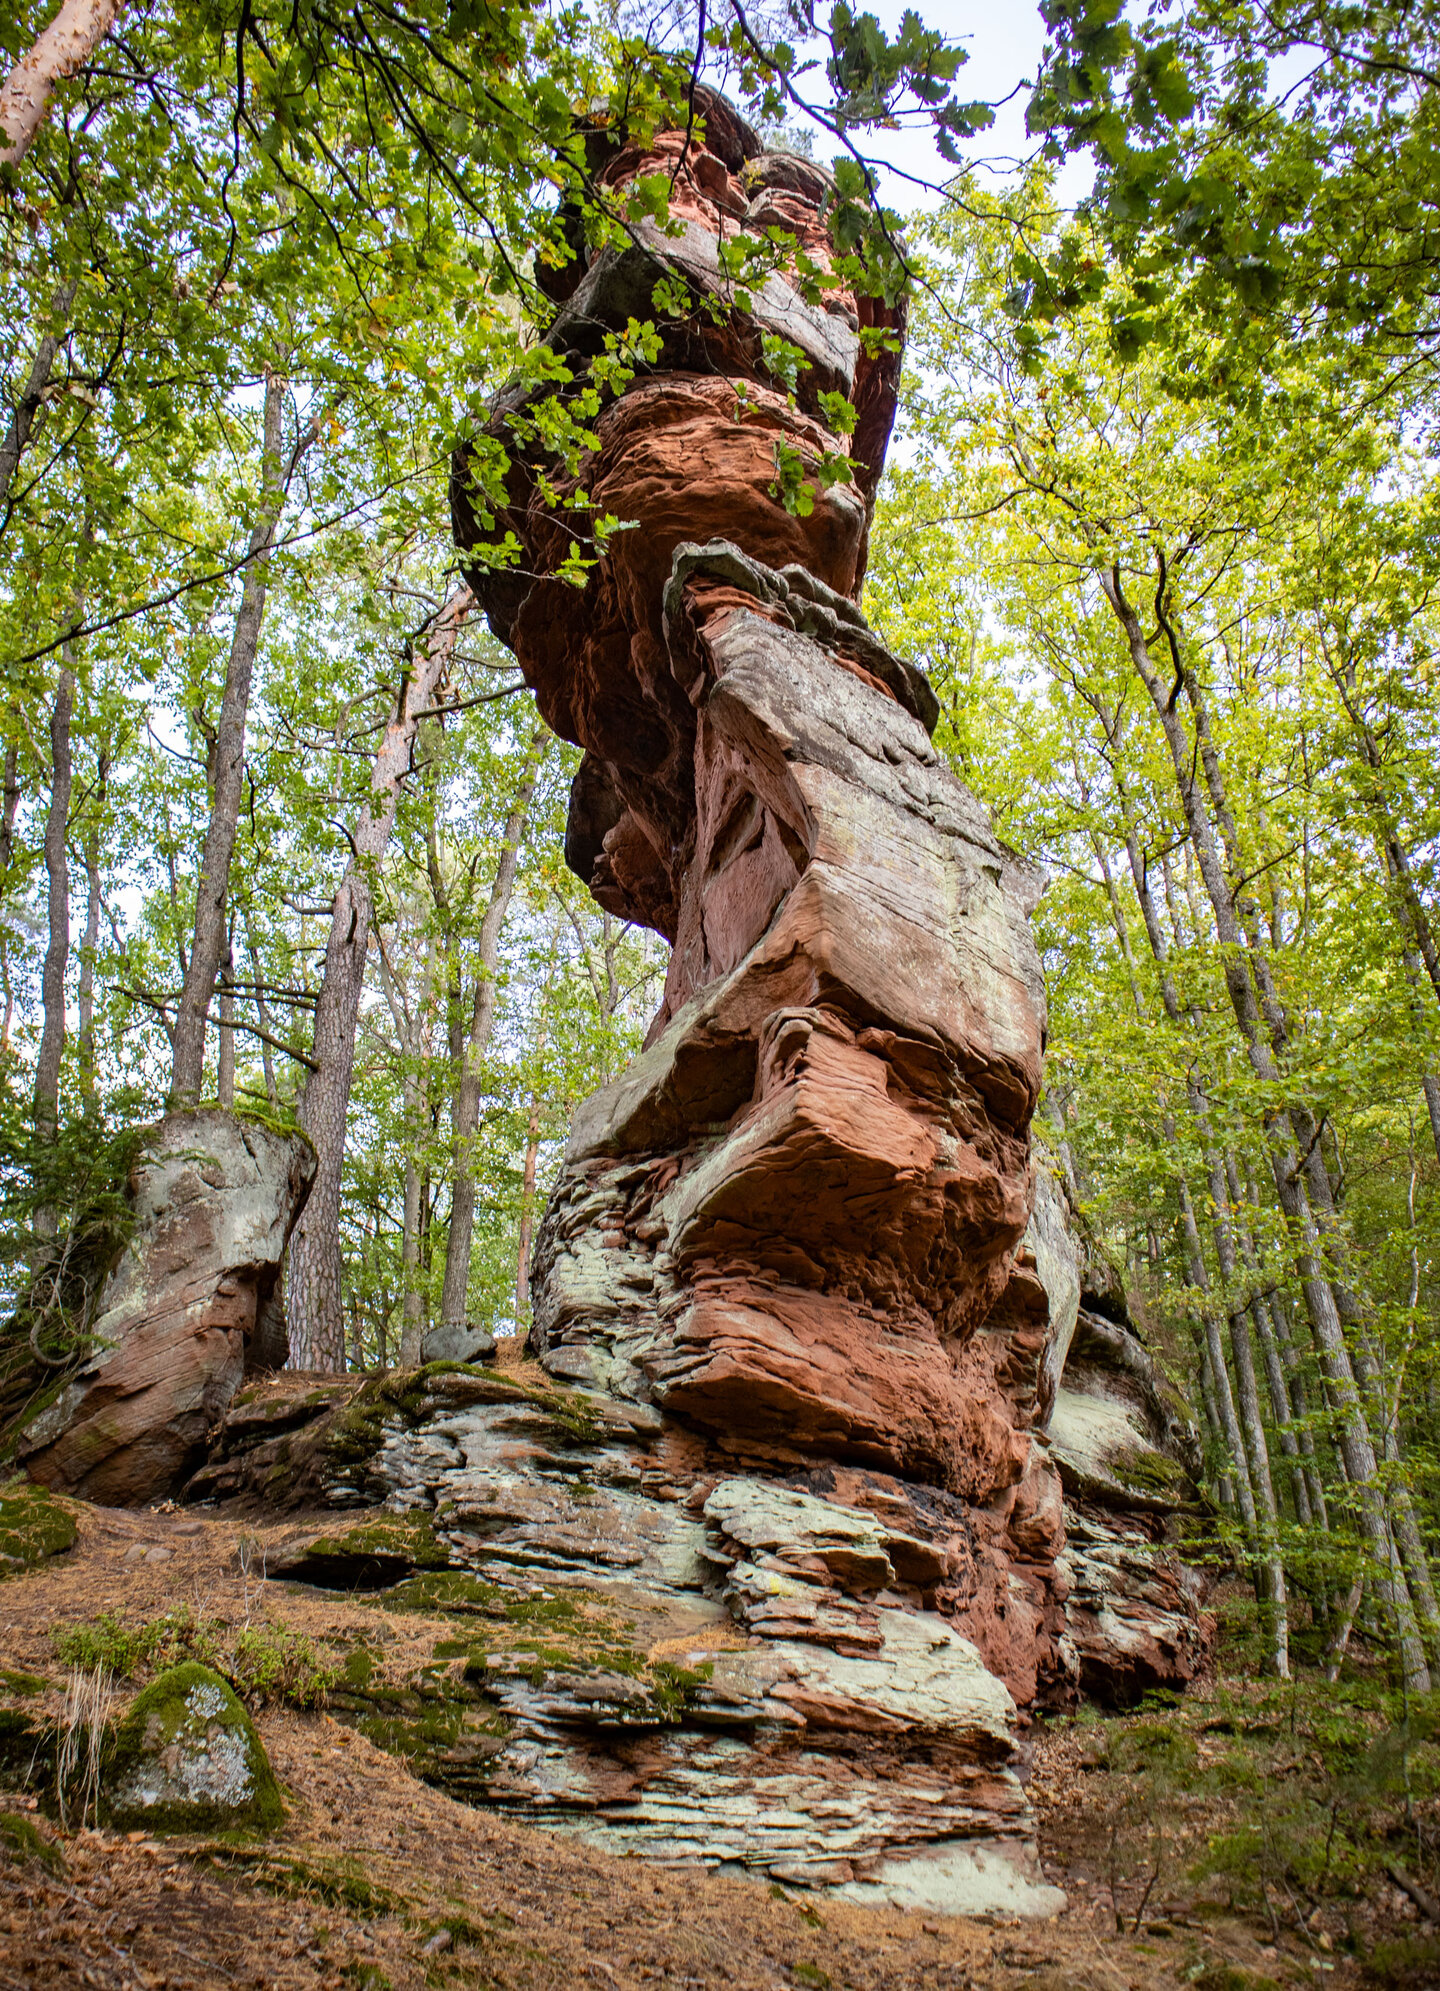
{"x":1161,"y":525}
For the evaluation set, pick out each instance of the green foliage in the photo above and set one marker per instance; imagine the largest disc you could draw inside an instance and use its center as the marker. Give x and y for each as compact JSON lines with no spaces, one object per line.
{"x":265,"y":1664}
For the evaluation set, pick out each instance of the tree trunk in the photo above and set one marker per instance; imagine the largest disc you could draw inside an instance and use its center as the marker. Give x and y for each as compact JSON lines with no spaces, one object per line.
{"x":316,"y":1320}
{"x":527,"y":1206}
{"x":1288,"y":1167}
{"x":225,"y":1061}
{"x":465,"y":1107}
{"x":57,"y":951}
{"x":61,"y":49}
{"x":22,"y":419}
{"x":213,"y":885}
{"x":85,"y":1004}
{"x":262,"y":1015}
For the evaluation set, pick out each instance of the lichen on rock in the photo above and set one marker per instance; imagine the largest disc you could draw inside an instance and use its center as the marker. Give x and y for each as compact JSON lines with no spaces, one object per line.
{"x":187,"y":1758}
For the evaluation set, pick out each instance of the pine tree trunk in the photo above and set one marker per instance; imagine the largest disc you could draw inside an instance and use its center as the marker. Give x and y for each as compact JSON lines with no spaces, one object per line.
{"x":313,"y":1289}
{"x":213,"y":885}
{"x":465,"y":1107}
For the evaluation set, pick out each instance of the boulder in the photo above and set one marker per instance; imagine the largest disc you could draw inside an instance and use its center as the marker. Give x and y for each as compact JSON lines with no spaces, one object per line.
{"x":456,"y":1342}
{"x":186,"y":1758}
{"x":214,"y":1197}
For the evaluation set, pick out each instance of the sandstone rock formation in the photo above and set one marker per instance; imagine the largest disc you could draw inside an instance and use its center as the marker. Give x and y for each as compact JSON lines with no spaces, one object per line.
{"x":806,"y":1315}
{"x":214,"y":1197}
{"x":1128,"y":1458}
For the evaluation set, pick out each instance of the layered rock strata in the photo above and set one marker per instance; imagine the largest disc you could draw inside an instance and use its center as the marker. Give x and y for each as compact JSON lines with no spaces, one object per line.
{"x":801,"y":1234}
{"x":213,"y":1198}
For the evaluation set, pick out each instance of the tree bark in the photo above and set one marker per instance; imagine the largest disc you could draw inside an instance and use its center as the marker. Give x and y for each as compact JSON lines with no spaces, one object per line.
{"x":22,"y":418}
{"x":465,"y":1105}
{"x":527,"y":1206}
{"x":225,"y":1060}
{"x":61,"y":49}
{"x":213,"y":885}
{"x":46,"y":1114}
{"x":313,"y":1290}
{"x":85,"y":1003}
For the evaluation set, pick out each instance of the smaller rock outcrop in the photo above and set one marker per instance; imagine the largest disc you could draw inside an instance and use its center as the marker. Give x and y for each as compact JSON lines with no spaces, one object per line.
{"x":214,"y":1197}
{"x":1129,"y":1462}
{"x":186,"y":1758}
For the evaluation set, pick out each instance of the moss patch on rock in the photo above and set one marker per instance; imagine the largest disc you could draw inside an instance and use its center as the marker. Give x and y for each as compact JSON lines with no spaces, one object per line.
{"x":21,"y":1841}
{"x":33,"y":1526}
{"x":186,"y":1758}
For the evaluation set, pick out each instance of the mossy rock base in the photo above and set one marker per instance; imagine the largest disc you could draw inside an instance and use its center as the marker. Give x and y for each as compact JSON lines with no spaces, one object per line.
{"x":21,"y":1841}
{"x":33,"y":1526}
{"x":186,"y":1758}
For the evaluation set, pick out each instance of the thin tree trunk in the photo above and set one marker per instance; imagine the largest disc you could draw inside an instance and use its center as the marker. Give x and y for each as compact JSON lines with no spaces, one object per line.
{"x":22,"y":418}
{"x":317,"y":1330}
{"x":1225,"y":1484}
{"x":225,"y":1060}
{"x":61,"y":49}
{"x":85,"y":1004}
{"x":465,"y":1108}
{"x":213,"y":885}
{"x":1290,"y":1169}
{"x":262,"y":1014}
{"x":57,"y":951}
{"x":527,"y":1206}
{"x":411,"y":1032}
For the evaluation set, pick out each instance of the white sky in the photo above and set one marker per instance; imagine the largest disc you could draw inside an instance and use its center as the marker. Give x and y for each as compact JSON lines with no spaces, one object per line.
{"x":1004,"y":43}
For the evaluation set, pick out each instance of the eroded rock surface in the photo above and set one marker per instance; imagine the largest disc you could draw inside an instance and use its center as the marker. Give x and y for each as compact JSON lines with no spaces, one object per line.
{"x":214,"y":1197}
{"x":801,"y":1240}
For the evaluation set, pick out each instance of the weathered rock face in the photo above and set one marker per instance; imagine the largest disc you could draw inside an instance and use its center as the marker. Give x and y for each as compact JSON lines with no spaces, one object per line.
{"x":800,"y":1240}
{"x":1129,"y":1460}
{"x":786,"y":1224}
{"x":214,"y":1197}
{"x":687,"y":1661}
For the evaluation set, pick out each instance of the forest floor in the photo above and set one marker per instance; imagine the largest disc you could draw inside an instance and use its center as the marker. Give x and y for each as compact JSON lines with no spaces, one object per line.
{"x":378,"y":1880}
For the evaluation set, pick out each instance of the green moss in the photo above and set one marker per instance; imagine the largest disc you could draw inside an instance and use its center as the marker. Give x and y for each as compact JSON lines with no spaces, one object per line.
{"x":25,"y":1745}
{"x":451,"y":1592}
{"x":20,"y":1841}
{"x":359,"y":1667}
{"x":1149,"y":1472}
{"x":22,"y":1683}
{"x":186,"y":1758}
{"x":33,"y":1526}
{"x":401,"y":1536}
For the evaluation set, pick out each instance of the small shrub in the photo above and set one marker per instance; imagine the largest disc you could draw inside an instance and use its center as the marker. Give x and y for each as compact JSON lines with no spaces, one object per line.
{"x":263,"y":1663}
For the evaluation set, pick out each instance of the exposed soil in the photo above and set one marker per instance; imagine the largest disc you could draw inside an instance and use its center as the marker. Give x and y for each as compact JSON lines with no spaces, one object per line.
{"x":378,"y":1879}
